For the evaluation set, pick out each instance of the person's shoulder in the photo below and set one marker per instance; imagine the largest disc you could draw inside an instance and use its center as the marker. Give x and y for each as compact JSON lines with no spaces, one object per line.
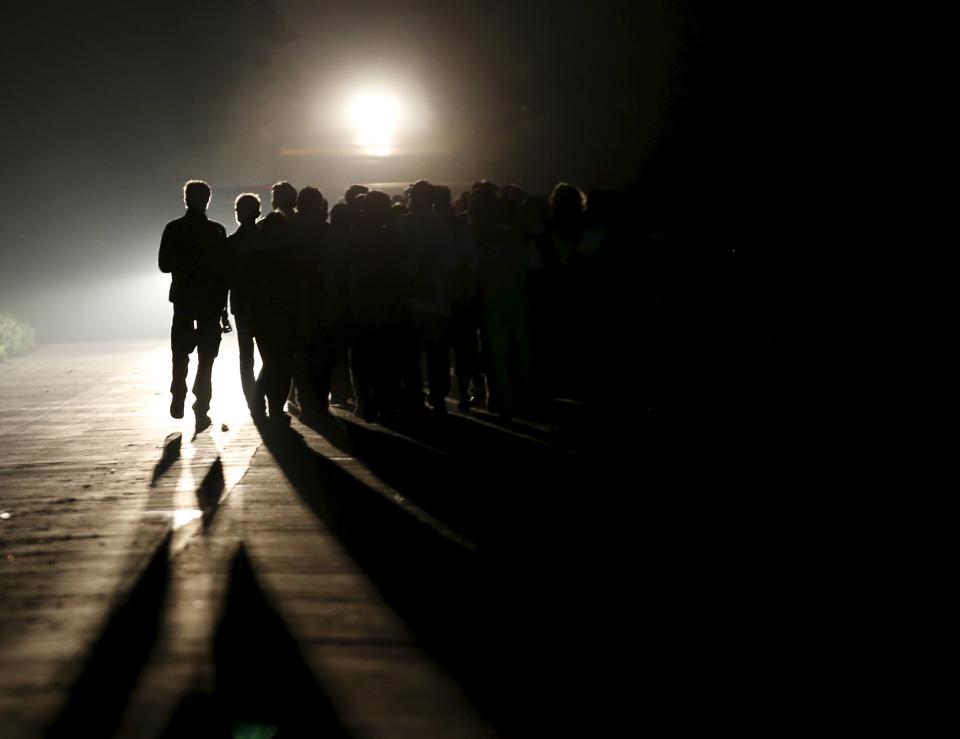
{"x":272,"y":218}
{"x":217,"y":228}
{"x":176,"y":223}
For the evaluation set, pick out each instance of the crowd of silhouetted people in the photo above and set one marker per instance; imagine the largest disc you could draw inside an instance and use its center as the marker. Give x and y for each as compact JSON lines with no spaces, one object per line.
{"x":350,"y":304}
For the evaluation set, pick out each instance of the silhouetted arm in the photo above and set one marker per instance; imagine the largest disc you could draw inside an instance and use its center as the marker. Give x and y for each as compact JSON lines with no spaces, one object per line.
{"x":167,"y":256}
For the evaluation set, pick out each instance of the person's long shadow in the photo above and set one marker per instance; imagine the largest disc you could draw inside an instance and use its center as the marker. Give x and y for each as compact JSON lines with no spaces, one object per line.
{"x":100,"y":695}
{"x":444,"y":592}
{"x":445,"y":486}
{"x":210,"y":491}
{"x":170,"y":454}
{"x":460,"y":472}
{"x":262,"y":685}
{"x":514,"y":622}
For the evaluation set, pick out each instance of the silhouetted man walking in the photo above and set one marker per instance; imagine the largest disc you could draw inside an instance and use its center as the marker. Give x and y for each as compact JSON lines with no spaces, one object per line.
{"x":244,"y":246}
{"x":193,"y":250}
{"x":275,"y":303}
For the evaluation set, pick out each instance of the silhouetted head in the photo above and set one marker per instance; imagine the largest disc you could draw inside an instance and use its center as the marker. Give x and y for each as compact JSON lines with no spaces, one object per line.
{"x":340,"y":215}
{"x":311,"y":205}
{"x":567,"y":201}
{"x":376,"y":208}
{"x":485,"y":187}
{"x":353,"y":193}
{"x":248,"y":208}
{"x":196,"y":195}
{"x":284,"y":197}
{"x":421,"y":195}
{"x":514,"y":194}
{"x":441,"y":200}
{"x":483,"y":200}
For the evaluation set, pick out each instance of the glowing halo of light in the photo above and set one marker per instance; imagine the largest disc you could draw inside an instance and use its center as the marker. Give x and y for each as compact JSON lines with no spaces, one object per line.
{"x":375,"y":117}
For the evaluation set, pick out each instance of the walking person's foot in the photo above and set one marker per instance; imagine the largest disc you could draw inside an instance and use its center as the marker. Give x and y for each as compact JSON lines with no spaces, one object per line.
{"x":203,"y":422}
{"x":176,"y":408}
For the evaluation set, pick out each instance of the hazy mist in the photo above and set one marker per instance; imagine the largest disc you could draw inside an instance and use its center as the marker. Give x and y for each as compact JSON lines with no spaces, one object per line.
{"x":110,"y":107}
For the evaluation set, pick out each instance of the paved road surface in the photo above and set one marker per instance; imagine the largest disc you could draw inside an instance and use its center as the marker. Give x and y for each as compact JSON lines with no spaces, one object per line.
{"x":146,"y":591}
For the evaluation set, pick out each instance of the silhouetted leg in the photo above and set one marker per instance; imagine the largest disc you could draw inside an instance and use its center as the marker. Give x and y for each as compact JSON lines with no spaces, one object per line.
{"x":183,"y":339}
{"x":322,"y":375}
{"x":315,"y":384}
{"x":436,"y":345}
{"x":303,"y":374}
{"x":245,"y":350}
{"x":360,"y":376}
{"x":266,"y":371}
{"x":275,"y":378}
{"x":498,"y":351}
{"x":277,"y":381}
{"x":521,"y":358}
{"x":339,"y":372}
{"x":302,"y":354}
{"x":273,"y":387}
{"x":406,"y":383}
{"x":181,"y":366}
{"x":285,"y":366}
{"x":466,"y":351}
{"x":202,"y":387}
{"x":386,"y":367}
{"x":208,"y":347}
{"x":479,"y":392}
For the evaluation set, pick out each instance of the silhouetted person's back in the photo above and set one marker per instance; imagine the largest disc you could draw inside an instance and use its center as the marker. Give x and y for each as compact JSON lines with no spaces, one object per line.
{"x":311,"y":241}
{"x":244,"y":245}
{"x":353,"y":199}
{"x":318,"y":283}
{"x":561,"y":262}
{"x":276,"y":301}
{"x":193,"y":249}
{"x":377,"y":273}
{"x":504,"y":264}
{"x":439,"y":254}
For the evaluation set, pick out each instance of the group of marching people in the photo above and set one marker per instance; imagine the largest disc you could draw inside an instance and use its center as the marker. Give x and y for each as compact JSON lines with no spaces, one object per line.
{"x":348,"y":305}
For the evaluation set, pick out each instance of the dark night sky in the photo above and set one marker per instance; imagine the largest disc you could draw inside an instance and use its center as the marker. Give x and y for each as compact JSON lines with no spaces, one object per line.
{"x":109,"y":107}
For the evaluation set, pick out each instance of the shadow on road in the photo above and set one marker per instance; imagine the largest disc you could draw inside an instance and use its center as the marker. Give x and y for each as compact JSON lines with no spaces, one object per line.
{"x":262,"y":685}
{"x":100,"y":695}
{"x":209,"y":493}
{"x":494,"y":619}
{"x":171,"y":453}
{"x":465,"y":474}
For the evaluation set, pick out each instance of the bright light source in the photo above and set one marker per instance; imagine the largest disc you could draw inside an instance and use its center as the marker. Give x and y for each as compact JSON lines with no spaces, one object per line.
{"x":375,"y":117}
